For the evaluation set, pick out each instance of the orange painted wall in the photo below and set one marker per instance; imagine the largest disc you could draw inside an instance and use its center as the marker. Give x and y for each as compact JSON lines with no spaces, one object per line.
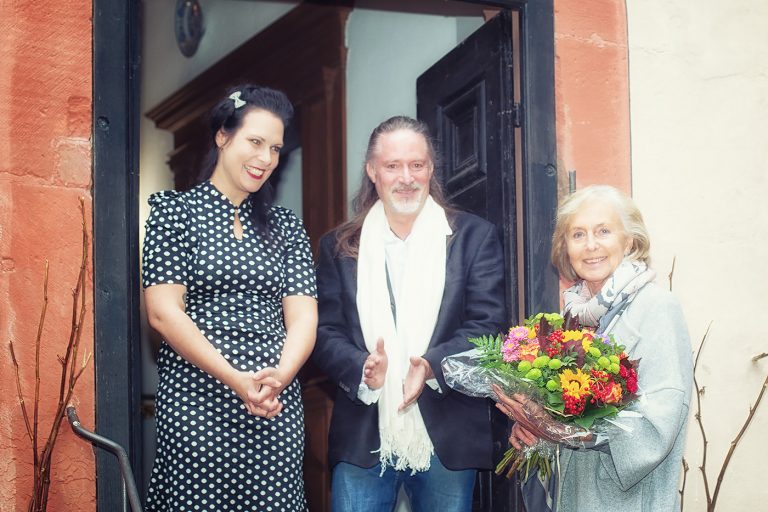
{"x":592,"y":92}
{"x":45,"y":166}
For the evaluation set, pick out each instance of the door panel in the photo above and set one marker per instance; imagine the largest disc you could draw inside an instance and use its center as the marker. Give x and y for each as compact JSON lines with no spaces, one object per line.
{"x":466,"y":98}
{"x":463,"y":149}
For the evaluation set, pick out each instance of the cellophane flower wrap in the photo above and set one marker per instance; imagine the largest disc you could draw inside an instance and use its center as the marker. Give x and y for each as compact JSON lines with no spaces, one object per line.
{"x":582,"y":379}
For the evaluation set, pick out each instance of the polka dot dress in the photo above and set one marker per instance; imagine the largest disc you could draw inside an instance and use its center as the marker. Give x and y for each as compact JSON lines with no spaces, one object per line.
{"x":211,"y":454}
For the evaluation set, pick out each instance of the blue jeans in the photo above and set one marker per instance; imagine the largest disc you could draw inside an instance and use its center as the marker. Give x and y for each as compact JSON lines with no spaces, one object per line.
{"x":355,"y":489}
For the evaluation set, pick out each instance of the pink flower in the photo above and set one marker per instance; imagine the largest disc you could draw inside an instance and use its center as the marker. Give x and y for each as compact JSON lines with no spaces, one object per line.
{"x":518,"y":333}
{"x":510,"y":350}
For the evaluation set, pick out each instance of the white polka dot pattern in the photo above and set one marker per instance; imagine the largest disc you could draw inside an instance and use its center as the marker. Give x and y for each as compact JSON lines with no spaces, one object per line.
{"x":211,"y":454}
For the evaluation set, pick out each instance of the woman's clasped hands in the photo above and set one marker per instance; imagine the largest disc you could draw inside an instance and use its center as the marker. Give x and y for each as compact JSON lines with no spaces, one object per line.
{"x":259,"y":391}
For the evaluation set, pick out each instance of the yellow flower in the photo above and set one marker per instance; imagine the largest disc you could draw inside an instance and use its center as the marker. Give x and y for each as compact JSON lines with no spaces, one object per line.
{"x":574,"y":335}
{"x":571,"y":335}
{"x":574,"y":384}
{"x":531,"y":333}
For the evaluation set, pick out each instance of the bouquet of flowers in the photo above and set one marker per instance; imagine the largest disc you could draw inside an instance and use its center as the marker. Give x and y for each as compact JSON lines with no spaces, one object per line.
{"x":580,"y":378}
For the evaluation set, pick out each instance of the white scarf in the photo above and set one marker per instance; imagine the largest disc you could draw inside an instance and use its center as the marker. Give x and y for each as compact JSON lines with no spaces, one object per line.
{"x":405,"y":442}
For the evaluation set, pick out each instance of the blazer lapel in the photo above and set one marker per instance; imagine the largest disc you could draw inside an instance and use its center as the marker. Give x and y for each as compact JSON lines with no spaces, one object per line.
{"x":445,"y":307}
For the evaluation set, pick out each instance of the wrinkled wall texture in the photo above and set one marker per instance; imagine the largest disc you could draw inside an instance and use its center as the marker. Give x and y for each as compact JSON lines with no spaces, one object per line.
{"x":45,"y":167}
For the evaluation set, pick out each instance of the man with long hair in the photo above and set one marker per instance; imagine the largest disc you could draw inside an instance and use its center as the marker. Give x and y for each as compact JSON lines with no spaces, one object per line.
{"x":401,"y":285}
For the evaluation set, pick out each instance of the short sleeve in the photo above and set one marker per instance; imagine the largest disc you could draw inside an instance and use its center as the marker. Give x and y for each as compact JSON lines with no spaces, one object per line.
{"x":166,"y":247}
{"x":298,"y":264}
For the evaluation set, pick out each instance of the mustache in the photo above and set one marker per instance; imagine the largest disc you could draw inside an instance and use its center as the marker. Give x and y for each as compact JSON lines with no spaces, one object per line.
{"x":408,"y":188}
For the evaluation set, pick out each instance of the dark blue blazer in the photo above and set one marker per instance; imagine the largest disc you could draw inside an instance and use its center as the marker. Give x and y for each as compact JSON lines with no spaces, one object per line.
{"x":473,"y":304}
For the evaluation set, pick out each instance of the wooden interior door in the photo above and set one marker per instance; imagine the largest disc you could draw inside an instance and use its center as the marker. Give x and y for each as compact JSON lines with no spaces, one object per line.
{"x":311,"y":69}
{"x":467,"y":100}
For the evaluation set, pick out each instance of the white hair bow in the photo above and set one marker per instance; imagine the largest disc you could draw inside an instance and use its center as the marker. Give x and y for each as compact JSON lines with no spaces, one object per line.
{"x":235,"y":96}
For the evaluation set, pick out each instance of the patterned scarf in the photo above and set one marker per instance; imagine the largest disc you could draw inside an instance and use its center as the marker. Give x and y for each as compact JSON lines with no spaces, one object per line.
{"x":599,"y":310}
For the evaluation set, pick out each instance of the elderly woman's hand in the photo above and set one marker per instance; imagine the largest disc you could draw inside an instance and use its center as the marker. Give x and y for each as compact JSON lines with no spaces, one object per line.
{"x":520,"y":435}
{"x":536,"y":421}
{"x":526,"y":413}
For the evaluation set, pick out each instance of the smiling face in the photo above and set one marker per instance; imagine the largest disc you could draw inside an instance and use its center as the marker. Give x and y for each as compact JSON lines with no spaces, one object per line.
{"x":400,"y":170}
{"x":596,"y":243}
{"x":248,"y":156}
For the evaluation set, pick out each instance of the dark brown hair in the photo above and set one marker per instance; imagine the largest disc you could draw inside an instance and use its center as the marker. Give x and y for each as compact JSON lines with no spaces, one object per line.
{"x":226,"y":117}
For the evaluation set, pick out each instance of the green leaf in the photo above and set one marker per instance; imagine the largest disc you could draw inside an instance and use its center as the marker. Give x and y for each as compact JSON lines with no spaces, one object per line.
{"x":554,"y":319}
{"x":489,"y":349}
{"x":555,"y":398}
{"x":589,"y":416}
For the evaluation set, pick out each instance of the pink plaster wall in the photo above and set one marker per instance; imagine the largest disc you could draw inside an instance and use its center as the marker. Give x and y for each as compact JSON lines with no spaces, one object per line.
{"x":592,"y":91}
{"x":45,"y":167}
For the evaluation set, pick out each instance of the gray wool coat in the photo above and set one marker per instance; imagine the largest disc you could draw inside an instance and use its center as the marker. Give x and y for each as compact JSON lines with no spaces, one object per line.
{"x":640,"y":470}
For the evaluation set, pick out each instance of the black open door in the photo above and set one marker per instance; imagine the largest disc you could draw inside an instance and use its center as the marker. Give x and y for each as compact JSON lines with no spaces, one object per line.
{"x":467,"y":100}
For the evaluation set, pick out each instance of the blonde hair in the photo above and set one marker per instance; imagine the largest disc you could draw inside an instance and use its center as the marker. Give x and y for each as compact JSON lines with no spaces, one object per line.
{"x":625,"y":208}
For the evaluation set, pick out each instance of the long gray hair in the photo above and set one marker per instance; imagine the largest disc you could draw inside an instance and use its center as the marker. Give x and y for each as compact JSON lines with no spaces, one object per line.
{"x":348,"y":234}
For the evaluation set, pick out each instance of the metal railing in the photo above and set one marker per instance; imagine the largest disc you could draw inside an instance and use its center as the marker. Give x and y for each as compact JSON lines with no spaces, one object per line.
{"x":129,"y":484}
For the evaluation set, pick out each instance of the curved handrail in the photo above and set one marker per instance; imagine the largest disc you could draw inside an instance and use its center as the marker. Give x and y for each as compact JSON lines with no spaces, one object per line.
{"x":115,"y":449}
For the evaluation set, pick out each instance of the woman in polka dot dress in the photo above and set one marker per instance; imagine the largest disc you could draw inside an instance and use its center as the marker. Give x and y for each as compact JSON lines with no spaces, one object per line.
{"x":230,"y":285}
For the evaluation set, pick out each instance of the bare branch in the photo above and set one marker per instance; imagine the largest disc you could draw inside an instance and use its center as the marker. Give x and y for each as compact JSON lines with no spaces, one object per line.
{"x":699,"y":392}
{"x":76,"y":316}
{"x":682,"y":488}
{"x":672,"y":272}
{"x":38,"y":340}
{"x":701,"y":346}
{"x":703,"y":467}
{"x":735,"y":442}
{"x":18,"y":388}
{"x":86,"y":358}
{"x":68,"y":378}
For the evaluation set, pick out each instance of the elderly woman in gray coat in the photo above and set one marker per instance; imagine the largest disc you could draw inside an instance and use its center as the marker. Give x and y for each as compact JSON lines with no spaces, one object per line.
{"x":600,"y":241}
